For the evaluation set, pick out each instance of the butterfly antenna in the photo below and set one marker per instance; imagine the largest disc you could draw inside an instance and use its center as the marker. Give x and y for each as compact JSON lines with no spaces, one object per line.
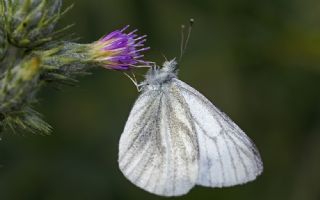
{"x":185,"y":42}
{"x":182,"y":41}
{"x":191,"y":22}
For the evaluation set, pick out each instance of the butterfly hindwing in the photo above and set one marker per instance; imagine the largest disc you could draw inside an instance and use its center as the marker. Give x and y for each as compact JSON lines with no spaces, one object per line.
{"x":227,"y":155}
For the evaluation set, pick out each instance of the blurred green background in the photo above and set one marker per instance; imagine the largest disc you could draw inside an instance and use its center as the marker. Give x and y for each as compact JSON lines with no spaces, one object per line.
{"x":258,"y":61}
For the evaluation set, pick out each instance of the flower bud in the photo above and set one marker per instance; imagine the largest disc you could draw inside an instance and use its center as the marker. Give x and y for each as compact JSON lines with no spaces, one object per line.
{"x":18,"y":87}
{"x":31,"y":22}
{"x":19,"y":84}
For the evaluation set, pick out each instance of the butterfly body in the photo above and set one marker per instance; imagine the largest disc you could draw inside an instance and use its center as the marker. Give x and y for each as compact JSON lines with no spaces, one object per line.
{"x":175,"y":139}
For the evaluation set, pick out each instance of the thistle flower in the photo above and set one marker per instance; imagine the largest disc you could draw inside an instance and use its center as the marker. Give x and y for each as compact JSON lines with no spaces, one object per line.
{"x":31,"y":56}
{"x":118,"y":50}
{"x":30,"y":23}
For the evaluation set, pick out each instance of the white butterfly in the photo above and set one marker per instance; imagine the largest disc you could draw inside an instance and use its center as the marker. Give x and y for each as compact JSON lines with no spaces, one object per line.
{"x":175,"y":139}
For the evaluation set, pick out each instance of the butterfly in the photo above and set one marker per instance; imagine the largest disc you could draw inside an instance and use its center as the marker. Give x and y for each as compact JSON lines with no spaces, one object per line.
{"x":175,"y":138}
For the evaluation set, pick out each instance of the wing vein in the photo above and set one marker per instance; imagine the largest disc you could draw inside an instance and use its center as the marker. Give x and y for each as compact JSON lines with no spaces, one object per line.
{"x":239,"y":154}
{"x":221,"y":163}
{"x":231,"y":157}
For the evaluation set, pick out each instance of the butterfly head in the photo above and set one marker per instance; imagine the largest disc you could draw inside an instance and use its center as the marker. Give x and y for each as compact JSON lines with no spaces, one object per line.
{"x":169,"y":66}
{"x":156,"y":76}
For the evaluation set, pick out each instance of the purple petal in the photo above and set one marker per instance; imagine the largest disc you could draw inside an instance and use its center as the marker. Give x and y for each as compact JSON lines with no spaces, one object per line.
{"x":124,"y":48}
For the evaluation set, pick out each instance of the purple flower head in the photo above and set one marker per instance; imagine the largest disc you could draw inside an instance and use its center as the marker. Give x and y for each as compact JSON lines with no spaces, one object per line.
{"x":119,"y":50}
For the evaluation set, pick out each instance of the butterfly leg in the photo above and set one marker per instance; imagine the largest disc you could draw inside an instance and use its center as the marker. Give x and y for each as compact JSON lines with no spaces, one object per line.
{"x":134,"y":80}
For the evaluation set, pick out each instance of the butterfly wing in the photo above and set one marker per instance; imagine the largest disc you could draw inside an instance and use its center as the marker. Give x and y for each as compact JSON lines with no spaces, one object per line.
{"x":158,"y":149}
{"x":227,"y":155}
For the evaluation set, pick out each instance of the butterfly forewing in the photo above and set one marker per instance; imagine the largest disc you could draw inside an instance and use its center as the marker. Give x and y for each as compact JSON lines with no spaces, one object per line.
{"x":158,"y":149}
{"x":227,"y":156}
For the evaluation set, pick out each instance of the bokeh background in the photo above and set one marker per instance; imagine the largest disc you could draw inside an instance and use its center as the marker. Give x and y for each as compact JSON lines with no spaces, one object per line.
{"x":259,"y":61}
